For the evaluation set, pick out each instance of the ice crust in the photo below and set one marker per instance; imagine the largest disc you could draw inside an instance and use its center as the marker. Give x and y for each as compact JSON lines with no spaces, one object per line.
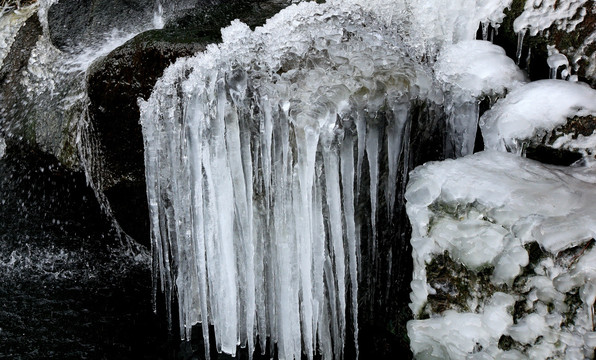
{"x":530,"y":113}
{"x":539,"y":15}
{"x":468,"y":72}
{"x":484,"y":210}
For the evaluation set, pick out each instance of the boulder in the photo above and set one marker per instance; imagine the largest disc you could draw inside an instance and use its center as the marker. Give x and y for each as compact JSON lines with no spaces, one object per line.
{"x":116,"y":82}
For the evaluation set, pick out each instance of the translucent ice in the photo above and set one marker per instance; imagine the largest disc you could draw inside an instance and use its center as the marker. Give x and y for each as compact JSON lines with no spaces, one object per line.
{"x":269,"y":135}
{"x":469,"y":71}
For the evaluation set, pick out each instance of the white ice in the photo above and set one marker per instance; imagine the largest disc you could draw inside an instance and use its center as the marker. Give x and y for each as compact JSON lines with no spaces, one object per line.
{"x":263,"y":131}
{"x":531,"y":112}
{"x":539,"y":15}
{"x":483,"y":209}
{"x":468,"y":72}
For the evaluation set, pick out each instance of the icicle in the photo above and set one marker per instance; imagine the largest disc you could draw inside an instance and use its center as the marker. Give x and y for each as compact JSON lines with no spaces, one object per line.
{"x":331,"y":162}
{"x":485,"y":31}
{"x":347,"y":177}
{"x":372,"y":152}
{"x":520,"y":44}
{"x":253,"y":181}
{"x":394,"y":145}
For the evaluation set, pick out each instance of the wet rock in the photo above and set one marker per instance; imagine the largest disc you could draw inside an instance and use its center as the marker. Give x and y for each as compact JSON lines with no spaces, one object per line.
{"x":567,"y":144}
{"x":75,"y":23}
{"x":116,"y":82}
{"x":114,"y":85}
{"x":13,"y":116}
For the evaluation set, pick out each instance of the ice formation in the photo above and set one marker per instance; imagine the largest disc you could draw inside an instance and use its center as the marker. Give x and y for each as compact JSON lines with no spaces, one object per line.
{"x":530,"y":113}
{"x":269,"y":135}
{"x":470,"y":71}
{"x":485,"y":210}
{"x":274,"y":134}
{"x":539,"y":15}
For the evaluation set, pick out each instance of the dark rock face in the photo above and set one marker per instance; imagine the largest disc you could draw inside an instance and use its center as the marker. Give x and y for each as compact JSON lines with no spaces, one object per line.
{"x":115,"y":84}
{"x":72,"y":23}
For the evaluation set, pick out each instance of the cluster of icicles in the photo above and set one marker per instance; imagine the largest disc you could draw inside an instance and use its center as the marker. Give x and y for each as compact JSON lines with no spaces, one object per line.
{"x":255,"y":151}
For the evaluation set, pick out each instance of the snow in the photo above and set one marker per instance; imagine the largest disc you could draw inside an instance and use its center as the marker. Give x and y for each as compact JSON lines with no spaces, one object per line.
{"x":484,"y":209}
{"x":531,"y":112}
{"x":475,"y":68}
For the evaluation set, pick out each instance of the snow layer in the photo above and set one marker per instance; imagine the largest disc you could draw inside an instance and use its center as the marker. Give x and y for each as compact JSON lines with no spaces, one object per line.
{"x":532,"y":111}
{"x":469,"y":71}
{"x":484,"y":210}
{"x":472,"y":69}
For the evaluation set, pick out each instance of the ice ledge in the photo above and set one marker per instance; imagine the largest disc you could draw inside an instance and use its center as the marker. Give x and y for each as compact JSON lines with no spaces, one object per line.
{"x":518,"y":227}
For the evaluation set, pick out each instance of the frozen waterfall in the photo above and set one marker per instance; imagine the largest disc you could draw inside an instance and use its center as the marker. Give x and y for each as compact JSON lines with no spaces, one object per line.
{"x":253,"y":153}
{"x":256,"y":152}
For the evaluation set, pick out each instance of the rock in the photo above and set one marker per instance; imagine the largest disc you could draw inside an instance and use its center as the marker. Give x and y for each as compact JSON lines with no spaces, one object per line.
{"x":76,"y":23}
{"x":116,"y":82}
{"x":573,"y":37}
{"x":12,"y":116}
{"x":114,"y":85}
{"x":568,"y":143}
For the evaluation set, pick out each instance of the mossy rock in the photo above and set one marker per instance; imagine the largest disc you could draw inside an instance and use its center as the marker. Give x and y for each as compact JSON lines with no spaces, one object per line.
{"x":568,"y":153}
{"x":565,"y":42}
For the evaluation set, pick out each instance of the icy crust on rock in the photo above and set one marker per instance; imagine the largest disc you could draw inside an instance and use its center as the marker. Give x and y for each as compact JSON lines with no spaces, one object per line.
{"x":469,"y":71}
{"x":253,"y":151}
{"x":430,"y":24}
{"x":484,"y":210}
{"x":539,"y":15}
{"x":475,"y":68}
{"x":531,"y":112}
{"x":457,"y":335}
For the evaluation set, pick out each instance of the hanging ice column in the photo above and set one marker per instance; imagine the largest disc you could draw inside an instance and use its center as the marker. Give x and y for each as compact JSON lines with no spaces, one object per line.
{"x":470,"y":71}
{"x":251,"y":173}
